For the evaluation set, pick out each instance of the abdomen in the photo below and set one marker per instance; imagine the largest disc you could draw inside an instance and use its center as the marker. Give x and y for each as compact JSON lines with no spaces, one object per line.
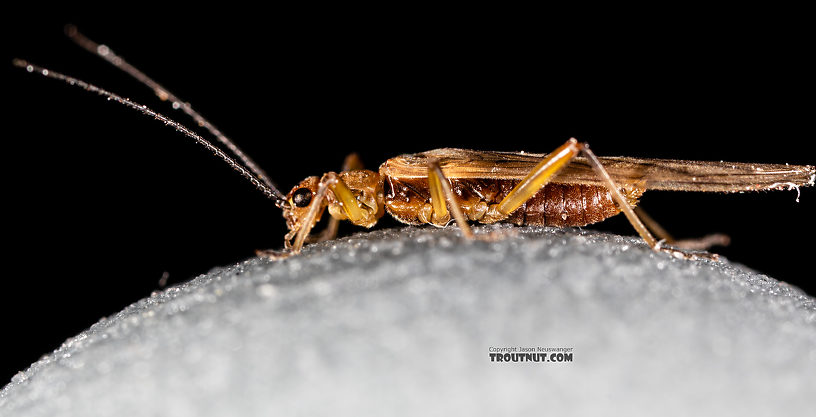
{"x":557,"y":205}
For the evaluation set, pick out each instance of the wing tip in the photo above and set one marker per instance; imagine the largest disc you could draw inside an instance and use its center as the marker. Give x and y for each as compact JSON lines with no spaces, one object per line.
{"x":808,"y":175}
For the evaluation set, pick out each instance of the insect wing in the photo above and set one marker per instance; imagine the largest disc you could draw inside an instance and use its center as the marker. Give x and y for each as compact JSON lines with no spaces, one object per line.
{"x":677,"y":175}
{"x":652,"y":174}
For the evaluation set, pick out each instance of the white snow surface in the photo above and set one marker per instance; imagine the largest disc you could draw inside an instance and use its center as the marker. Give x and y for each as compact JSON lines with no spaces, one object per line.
{"x":402,"y":322}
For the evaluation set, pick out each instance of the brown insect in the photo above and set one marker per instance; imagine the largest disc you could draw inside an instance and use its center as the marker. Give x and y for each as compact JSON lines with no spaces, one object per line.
{"x":568,"y":187}
{"x":558,"y":189}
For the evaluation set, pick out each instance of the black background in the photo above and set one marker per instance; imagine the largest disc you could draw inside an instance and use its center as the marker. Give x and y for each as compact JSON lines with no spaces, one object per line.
{"x":101,"y":201}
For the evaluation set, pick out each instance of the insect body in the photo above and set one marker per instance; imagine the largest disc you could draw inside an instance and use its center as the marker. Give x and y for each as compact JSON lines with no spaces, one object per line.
{"x":479,"y":180}
{"x":559,"y":189}
{"x":568,"y":187}
{"x":403,"y":189}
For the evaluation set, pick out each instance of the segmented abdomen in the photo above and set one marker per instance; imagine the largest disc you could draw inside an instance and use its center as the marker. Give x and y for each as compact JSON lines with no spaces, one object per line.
{"x":567,"y":205}
{"x":555,"y":205}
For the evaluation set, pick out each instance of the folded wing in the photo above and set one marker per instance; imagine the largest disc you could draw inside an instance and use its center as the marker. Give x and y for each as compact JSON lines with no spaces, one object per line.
{"x":651,"y":174}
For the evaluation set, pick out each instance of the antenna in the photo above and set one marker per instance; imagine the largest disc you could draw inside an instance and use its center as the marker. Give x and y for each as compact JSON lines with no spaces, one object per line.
{"x":266,"y":189}
{"x":107,"y":54}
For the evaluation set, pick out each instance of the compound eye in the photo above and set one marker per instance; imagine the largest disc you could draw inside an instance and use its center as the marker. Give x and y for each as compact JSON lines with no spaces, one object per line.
{"x":302,"y":197}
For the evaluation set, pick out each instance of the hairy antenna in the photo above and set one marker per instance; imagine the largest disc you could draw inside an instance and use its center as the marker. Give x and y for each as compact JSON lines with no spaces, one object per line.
{"x":107,"y":54}
{"x":270,"y":192}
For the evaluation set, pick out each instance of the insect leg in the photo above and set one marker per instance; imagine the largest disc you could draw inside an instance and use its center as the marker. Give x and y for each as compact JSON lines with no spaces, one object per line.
{"x":329,"y":182}
{"x":629,"y":212}
{"x":440,"y":193}
{"x":305,"y":225}
{"x":308,"y":222}
{"x":702,"y":243}
{"x":351,"y":162}
{"x":535,"y":180}
{"x":549,"y":167}
{"x":654,"y":226}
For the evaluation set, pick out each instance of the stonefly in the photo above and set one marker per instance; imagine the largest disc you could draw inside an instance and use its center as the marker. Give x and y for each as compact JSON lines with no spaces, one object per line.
{"x":570,"y":186}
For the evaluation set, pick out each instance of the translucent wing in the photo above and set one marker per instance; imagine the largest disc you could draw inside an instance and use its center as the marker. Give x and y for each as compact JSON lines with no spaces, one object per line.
{"x":651,"y":174}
